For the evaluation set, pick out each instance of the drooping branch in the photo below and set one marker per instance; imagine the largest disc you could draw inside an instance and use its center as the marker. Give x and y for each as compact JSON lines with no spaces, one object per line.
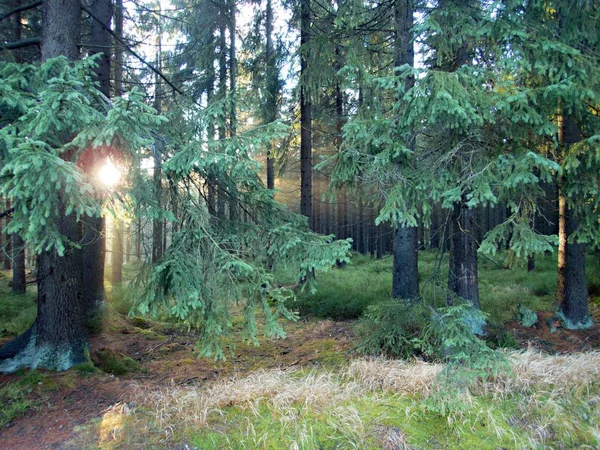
{"x":20,"y":44}
{"x":132,"y":51}
{"x":8,"y":212}
{"x":21,"y":8}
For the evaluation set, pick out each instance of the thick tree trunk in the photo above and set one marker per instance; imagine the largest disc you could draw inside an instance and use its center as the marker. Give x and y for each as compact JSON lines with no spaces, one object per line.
{"x":571,"y":287}
{"x":305,"y":116}
{"x":94,"y":242}
{"x":19,"y":282}
{"x":462,"y":274}
{"x":405,"y":279}
{"x":58,"y":338}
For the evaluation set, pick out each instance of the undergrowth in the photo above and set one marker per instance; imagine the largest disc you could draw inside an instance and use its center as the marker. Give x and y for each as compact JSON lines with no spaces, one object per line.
{"x":346,"y":293}
{"x":550,"y":402}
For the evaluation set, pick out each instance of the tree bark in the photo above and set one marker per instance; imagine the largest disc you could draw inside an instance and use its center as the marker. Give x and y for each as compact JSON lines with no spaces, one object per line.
{"x":233,"y":194}
{"x":571,"y":288}
{"x":19,"y":282}
{"x":116,"y":257}
{"x":7,"y":245}
{"x":462,"y":274}
{"x":157,"y":225}
{"x":305,"y":115}
{"x":94,"y":241}
{"x":271,"y":107}
{"x":405,"y":279}
{"x":58,"y":338}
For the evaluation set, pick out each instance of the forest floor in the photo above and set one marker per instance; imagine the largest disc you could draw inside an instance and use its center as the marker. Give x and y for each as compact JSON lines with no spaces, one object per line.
{"x":310,"y":390}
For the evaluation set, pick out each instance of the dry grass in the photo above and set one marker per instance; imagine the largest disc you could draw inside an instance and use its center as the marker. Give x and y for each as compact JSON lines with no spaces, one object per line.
{"x":546,"y":399}
{"x":277,"y":389}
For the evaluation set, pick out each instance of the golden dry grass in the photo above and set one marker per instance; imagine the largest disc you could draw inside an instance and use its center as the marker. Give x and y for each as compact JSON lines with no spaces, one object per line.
{"x":546,"y":393}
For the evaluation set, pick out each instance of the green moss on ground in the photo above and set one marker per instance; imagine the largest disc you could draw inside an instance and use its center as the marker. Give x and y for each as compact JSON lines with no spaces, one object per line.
{"x":116,"y":363}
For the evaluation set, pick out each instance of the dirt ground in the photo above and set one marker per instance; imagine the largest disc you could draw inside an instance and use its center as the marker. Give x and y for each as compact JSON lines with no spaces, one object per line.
{"x":64,"y":401}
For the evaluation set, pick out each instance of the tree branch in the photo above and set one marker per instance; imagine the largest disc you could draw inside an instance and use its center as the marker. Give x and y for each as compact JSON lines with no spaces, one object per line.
{"x":8,"y":212}
{"x":18,"y":9}
{"x":20,"y":44}
{"x":133,"y":52}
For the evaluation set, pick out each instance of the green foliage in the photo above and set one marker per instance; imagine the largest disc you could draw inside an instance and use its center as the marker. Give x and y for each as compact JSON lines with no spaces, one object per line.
{"x":394,"y":328}
{"x":17,"y":312}
{"x":526,"y":316}
{"x":111,"y":361}
{"x":61,"y":126}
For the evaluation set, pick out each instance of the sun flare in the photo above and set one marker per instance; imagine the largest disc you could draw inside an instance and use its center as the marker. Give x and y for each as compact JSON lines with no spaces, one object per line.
{"x":109,"y":175}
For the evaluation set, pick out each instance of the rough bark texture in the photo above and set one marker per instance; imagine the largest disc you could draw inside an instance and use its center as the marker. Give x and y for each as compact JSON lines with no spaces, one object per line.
{"x":305,"y":116}
{"x":405,"y":279}
{"x":571,"y":287}
{"x":58,"y":338}
{"x":462,"y":274}
{"x":19,"y":282}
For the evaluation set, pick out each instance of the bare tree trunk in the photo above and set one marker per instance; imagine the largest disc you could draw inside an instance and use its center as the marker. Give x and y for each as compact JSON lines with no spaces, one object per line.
{"x":462,"y":274}
{"x":571,"y":287}
{"x":19,"y":283}
{"x":305,"y":116}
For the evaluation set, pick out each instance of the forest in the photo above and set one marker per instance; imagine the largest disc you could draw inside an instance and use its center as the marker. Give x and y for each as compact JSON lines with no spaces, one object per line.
{"x":299,"y":224}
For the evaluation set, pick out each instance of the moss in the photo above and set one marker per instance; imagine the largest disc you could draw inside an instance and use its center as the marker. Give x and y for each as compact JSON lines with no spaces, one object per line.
{"x":139,"y":322}
{"x":150,"y":334}
{"x":526,"y":316}
{"x":111,"y":361}
{"x":569,"y":325}
{"x":86,"y":367}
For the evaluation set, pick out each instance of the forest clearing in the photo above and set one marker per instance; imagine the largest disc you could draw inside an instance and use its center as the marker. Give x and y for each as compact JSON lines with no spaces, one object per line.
{"x":303,"y":224}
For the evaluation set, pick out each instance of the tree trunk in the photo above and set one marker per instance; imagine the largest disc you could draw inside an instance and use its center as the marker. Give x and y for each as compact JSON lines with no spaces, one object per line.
{"x":221,"y":190}
{"x":271,"y":107}
{"x":7,"y":247}
{"x":233,"y":194}
{"x":405,"y":279}
{"x":571,"y":288}
{"x":157,"y":225}
{"x":58,"y":338}
{"x":462,"y":274}
{"x":116,"y":257}
{"x":127,"y":255}
{"x":19,"y":282}
{"x":305,"y":116}
{"x":94,"y":242}
{"x":211,"y":192}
